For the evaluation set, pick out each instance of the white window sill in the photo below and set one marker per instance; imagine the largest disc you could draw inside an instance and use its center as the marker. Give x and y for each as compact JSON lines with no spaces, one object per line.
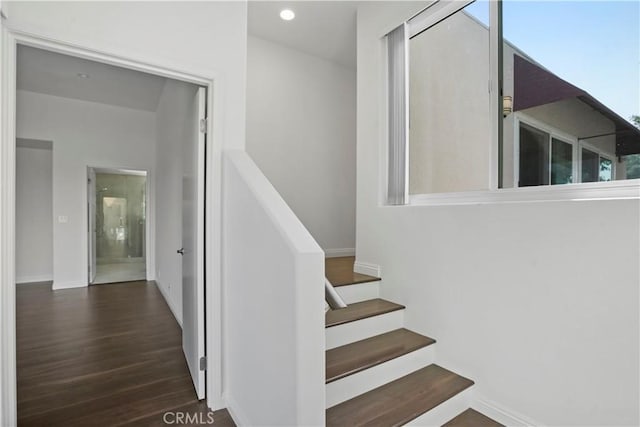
{"x":612,"y":190}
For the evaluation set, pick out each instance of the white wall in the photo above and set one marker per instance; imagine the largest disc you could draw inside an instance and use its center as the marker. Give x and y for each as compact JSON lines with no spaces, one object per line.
{"x":450,"y":132}
{"x":273,"y":304}
{"x":34,"y":212}
{"x":301,"y":133}
{"x":171,"y":119}
{"x":85,"y":134}
{"x":531,"y":300}
{"x":8,"y":386}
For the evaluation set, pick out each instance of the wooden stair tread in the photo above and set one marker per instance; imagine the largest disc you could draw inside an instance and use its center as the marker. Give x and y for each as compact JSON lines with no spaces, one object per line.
{"x":339,"y":272}
{"x":356,"y":279}
{"x":360,"y":310}
{"x":360,"y":355}
{"x":399,"y":401}
{"x":471,"y":418}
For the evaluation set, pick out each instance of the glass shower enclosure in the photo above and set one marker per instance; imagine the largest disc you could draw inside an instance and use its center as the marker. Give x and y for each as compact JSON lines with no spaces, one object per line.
{"x":119,"y":226}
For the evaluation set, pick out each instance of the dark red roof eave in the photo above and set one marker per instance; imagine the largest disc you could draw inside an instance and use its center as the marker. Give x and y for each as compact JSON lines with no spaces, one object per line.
{"x":534,"y":86}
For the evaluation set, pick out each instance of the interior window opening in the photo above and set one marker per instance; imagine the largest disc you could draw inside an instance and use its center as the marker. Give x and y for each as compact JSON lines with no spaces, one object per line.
{"x":462,"y":75}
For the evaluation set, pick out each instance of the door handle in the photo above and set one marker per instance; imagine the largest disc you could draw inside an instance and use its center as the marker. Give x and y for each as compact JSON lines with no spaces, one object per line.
{"x":180,"y":251}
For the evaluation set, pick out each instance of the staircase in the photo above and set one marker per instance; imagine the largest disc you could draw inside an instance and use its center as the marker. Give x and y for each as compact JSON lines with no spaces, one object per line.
{"x":380,"y":373}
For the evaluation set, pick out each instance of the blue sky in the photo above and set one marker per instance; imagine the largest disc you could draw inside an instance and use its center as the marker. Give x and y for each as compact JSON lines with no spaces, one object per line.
{"x":595,"y":45}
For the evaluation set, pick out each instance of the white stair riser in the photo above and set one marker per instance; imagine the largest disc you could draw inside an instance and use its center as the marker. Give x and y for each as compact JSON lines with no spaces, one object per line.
{"x":446,"y":410}
{"x":356,"y":384}
{"x":365,"y":328}
{"x":359,"y":292}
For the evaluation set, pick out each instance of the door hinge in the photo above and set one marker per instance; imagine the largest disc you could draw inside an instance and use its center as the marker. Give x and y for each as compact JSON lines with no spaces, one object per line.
{"x":203,"y":125}
{"x":203,"y":363}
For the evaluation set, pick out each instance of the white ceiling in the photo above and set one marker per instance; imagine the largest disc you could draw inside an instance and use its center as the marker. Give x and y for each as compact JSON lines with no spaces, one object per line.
{"x":321,"y":28}
{"x":56,"y":74}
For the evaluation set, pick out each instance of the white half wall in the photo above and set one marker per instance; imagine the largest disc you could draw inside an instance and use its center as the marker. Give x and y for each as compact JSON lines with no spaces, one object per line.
{"x":536,"y":302}
{"x":85,"y":134}
{"x":171,"y":118}
{"x":273,"y":305}
{"x":301,"y":133}
{"x":34,"y":211}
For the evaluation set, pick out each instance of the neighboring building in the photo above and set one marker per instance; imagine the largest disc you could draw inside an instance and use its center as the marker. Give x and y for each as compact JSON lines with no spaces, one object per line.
{"x":587,"y":139}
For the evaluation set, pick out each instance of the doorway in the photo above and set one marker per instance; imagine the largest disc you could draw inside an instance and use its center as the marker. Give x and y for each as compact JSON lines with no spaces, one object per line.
{"x":34,"y":249}
{"x":117,"y":216}
{"x":98,"y":131}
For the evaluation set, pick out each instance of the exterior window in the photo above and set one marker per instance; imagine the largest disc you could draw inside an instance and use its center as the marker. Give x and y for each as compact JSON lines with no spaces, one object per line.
{"x":561,"y":162}
{"x":544,"y":160}
{"x":596,"y":167}
{"x":590,"y":166}
{"x":606,"y":169}
{"x":534,"y":156}
{"x":632,"y":166}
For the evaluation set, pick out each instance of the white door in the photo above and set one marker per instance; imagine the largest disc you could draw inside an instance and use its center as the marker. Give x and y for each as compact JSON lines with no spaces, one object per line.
{"x":91,"y":222}
{"x":192,"y":250}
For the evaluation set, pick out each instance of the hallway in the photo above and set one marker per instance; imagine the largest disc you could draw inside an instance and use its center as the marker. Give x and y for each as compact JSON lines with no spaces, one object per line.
{"x":104,"y":355}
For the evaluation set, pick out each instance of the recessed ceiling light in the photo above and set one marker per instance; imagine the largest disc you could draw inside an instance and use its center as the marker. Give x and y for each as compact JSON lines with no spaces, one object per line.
{"x":83,"y":75}
{"x":287,"y":14}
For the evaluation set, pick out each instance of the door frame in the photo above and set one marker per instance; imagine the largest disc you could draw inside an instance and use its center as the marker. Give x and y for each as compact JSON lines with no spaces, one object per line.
{"x":10,"y":39}
{"x":92,"y":214}
{"x":149,"y":226}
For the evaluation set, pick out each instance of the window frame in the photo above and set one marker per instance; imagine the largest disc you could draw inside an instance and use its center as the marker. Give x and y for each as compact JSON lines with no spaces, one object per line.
{"x":607,"y":190}
{"x":573,"y":160}
{"x":433,"y":13}
{"x":601,"y":153}
{"x":613,"y":167}
{"x":553,"y":133}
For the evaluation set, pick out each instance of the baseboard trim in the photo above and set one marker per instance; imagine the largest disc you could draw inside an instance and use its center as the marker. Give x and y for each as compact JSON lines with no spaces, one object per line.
{"x":68,"y":285}
{"x":235,"y":411}
{"x":27,"y":280}
{"x":169,"y":302}
{"x":367,"y":268}
{"x":107,"y":261}
{"x":501,"y":414}
{"x":334,"y":253}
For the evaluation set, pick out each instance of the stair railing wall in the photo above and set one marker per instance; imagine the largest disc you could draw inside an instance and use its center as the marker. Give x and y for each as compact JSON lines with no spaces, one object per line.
{"x":273,"y":273}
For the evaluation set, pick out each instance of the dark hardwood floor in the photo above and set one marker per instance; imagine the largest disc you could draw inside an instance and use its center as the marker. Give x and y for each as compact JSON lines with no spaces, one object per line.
{"x":106,"y":355}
